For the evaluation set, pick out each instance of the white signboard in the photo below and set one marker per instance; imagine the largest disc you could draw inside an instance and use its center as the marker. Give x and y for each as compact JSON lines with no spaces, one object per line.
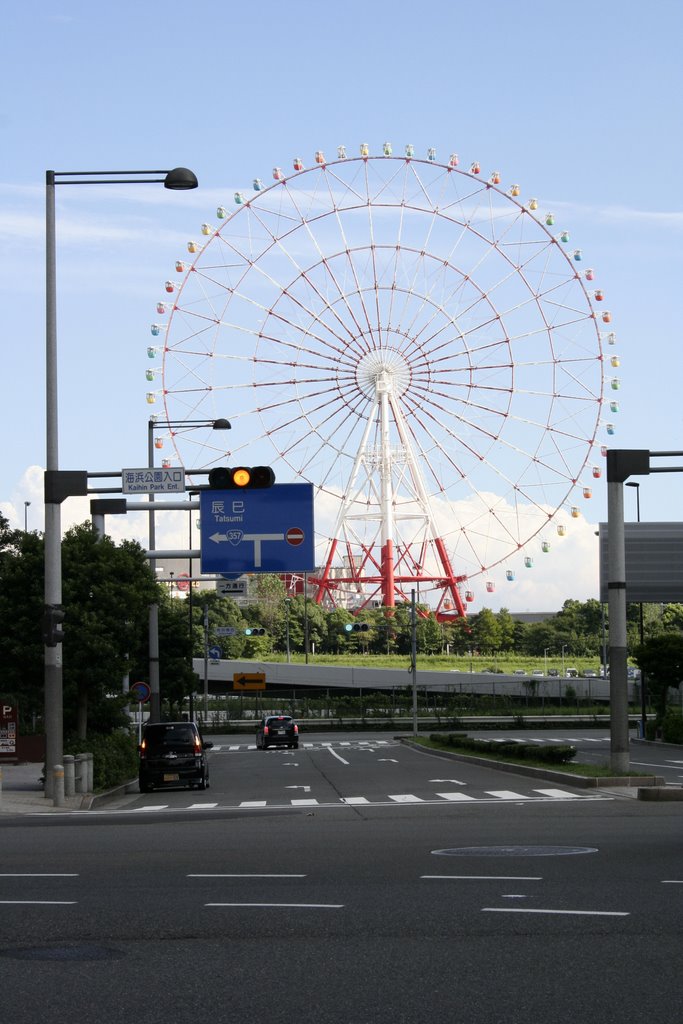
{"x":228,"y":587}
{"x":150,"y":480}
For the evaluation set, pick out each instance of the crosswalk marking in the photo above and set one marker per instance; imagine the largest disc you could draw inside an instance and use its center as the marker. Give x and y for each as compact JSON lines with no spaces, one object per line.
{"x":254,"y":803}
{"x":507,"y":794}
{"x":304,"y":803}
{"x":355,"y":800}
{"x":557,"y":794}
{"x":462,"y":797}
{"x":406,"y":798}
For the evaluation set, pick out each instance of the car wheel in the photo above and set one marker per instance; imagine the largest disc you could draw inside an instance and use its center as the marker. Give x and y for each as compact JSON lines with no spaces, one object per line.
{"x":296,"y":746}
{"x":145,"y":787}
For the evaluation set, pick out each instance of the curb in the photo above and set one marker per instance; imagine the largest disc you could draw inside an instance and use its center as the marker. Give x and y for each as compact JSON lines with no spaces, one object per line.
{"x":577,"y":781}
{"x":661,"y":793}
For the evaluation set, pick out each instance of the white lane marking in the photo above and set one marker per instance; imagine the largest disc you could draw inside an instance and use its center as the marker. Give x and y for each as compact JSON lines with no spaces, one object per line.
{"x":197,"y":807}
{"x":254,"y":803}
{"x":309,"y":906}
{"x":355,"y":800}
{"x":559,"y":794}
{"x":406,"y":798}
{"x":579,"y":913}
{"x":489,"y":878}
{"x":672,"y":881}
{"x":454,"y":782}
{"x":507,"y":794}
{"x":233,"y":746}
{"x":391,"y":759}
{"x":304,"y":803}
{"x":151,"y":807}
{"x":37,"y":903}
{"x":455,"y":796}
{"x":338,"y":756}
{"x":325,"y":743}
{"x":306,"y":789}
{"x":246,"y":875}
{"x":39,"y":874}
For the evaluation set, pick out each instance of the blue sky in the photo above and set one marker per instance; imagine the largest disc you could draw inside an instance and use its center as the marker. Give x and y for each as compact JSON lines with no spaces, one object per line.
{"x":579,"y":103}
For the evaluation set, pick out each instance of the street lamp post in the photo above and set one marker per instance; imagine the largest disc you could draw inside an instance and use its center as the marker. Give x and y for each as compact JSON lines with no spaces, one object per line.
{"x":178,"y":179}
{"x":545,"y":660}
{"x":643,"y":690}
{"x":564,"y":648}
{"x":26,"y":505}
{"x":288,"y":602}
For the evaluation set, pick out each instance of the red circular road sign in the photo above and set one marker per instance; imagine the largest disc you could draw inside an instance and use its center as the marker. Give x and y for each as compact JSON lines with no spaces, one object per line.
{"x":141,"y":692}
{"x":294,"y":536}
{"x":183,"y":581}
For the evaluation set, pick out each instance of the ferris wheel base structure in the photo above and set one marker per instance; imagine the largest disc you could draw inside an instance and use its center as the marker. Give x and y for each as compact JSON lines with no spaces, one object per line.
{"x":389,"y":587}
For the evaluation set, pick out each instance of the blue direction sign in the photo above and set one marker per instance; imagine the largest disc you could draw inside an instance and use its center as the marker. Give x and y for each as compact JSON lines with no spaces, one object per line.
{"x":269,"y":530}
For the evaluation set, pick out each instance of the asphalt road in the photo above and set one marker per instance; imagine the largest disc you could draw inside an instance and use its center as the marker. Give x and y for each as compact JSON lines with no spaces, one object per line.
{"x":512,"y":906}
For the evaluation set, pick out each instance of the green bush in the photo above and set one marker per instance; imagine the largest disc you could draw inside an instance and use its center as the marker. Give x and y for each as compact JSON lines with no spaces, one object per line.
{"x":672,"y":727}
{"x":115,"y":757}
{"x":556,"y":753}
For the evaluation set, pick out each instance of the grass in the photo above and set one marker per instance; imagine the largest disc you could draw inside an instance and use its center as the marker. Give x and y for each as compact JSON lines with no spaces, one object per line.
{"x":505,"y":663}
{"x":588,"y":771}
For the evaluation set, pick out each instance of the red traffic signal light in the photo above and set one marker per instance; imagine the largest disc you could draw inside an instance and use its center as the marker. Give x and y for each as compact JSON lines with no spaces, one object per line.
{"x":239,"y":478}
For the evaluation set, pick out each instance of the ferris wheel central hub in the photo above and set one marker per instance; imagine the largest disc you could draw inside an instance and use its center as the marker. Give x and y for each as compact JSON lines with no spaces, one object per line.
{"x":383,"y":371}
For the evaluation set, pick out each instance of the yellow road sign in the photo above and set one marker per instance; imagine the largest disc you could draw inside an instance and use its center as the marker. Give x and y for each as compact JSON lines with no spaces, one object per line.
{"x":249,"y":681}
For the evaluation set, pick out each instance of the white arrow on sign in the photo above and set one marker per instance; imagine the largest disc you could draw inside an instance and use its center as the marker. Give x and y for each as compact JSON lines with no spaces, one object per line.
{"x":454,"y":781}
{"x":236,"y":536}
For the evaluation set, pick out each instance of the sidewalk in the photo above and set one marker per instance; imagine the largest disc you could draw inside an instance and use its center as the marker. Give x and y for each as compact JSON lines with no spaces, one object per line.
{"x":21,"y":792}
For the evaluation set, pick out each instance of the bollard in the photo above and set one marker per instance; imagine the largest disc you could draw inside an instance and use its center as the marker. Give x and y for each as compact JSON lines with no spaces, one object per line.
{"x":69,"y":776}
{"x":90,"y":774}
{"x":58,"y":787}
{"x":80,"y":775}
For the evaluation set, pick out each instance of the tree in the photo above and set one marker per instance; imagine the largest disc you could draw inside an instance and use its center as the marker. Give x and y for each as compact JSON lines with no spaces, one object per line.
{"x":661,"y":659}
{"x":107,"y":593}
{"x":21,"y":611}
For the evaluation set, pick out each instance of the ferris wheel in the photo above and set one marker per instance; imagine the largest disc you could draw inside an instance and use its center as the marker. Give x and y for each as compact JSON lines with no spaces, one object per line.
{"x":415,"y":339}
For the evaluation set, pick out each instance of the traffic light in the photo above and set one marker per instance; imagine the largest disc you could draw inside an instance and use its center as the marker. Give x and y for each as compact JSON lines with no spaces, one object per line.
{"x":53,"y":616}
{"x":255,"y":632}
{"x":356,"y":627}
{"x":240,"y":478}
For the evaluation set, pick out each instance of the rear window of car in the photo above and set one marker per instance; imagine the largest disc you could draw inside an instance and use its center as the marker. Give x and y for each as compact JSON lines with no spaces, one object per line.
{"x":167,"y":737}
{"x":279,"y":720}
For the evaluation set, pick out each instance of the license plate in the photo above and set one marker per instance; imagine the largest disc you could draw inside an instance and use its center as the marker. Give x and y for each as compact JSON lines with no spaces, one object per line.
{"x":171,"y":777}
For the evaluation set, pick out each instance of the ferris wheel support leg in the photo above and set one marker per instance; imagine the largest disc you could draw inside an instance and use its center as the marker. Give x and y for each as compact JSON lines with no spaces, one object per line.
{"x":323,"y":581}
{"x":451,"y":582}
{"x":388,"y":591}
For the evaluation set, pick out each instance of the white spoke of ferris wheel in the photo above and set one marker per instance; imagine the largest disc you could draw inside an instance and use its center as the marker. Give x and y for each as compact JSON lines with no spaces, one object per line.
{"x":255,"y":265}
{"x":340,"y":291}
{"x":348,"y":251}
{"x":357,"y":462}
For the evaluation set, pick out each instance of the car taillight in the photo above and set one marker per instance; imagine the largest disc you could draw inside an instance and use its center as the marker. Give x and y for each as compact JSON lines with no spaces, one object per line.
{"x":197,"y":745}
{"x":143,"y":748}
{"x":296,"y":729}
{"x":265,"y":730}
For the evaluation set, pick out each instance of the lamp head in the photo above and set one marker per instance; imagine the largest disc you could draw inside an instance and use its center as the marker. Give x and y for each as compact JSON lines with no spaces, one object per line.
{"x":180,"y":179}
